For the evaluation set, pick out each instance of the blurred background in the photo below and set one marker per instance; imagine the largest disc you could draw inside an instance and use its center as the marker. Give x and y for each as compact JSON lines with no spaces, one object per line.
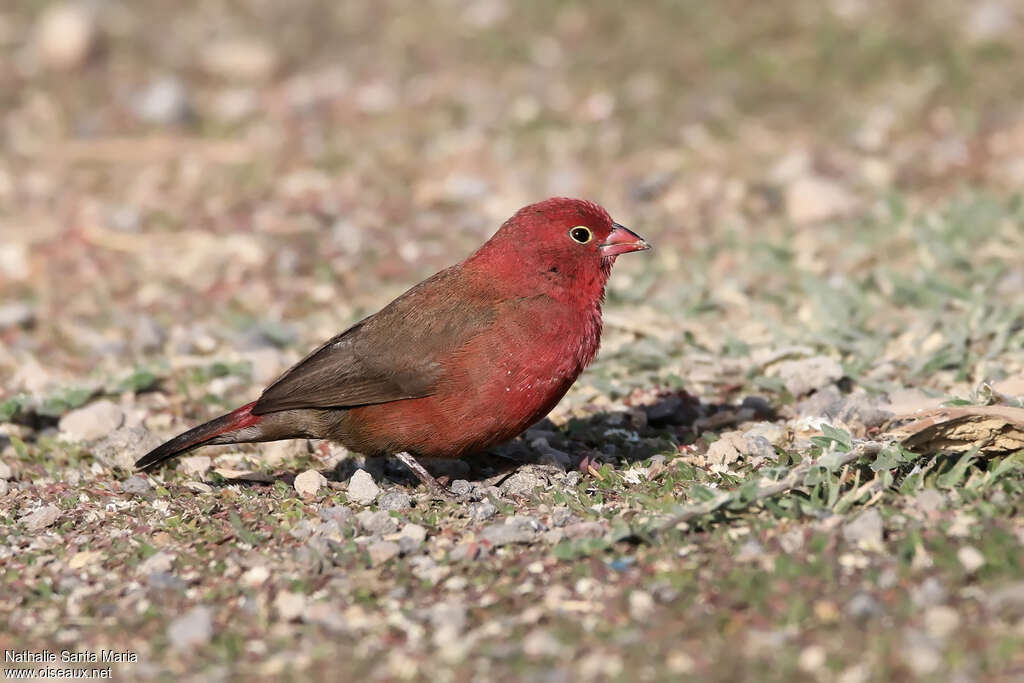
{"x":194,"y":193}
{"x":203,"y":171}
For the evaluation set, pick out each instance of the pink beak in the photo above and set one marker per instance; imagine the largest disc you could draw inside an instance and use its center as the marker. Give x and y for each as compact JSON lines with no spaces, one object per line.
{"x":622,"y":240}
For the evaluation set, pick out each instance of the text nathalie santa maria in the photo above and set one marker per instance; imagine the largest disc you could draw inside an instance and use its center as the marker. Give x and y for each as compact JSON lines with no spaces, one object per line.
{"x":69,"y":656}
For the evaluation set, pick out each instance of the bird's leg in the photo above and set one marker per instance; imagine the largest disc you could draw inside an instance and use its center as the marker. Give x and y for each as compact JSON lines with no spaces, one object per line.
{"x":433,"y":485}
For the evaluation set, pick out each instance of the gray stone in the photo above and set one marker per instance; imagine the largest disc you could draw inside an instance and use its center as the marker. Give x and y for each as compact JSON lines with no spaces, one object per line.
{"x":482,"y":511}
{"x":1008,"y":600}
{"x":192,"y":629}
{"x":382,"y":551}
{"x":561,"y":516}
{"x":819,"y":403}
{"x":302,"y":530}
{"x":411,"y":538}
{"x":136,"y":485}
{"x":589,"y":529}
{"x":920,"y":653}
{"x":41,"y":518}
{"x":5,"y":471}
{"x":522,"y":483}
{"x":759,"y":447}
{"x":805,"y":375}
{"x":337,"y":513}
{"x":505,"y":534}
{"x":863,"y":606}
{"x":122,"y":447}
{"x":931,"y":592}
{"x":859,"y":409}
{"x":160,"y":562}
{"x":165,"y":581}
{"x":377,"y":522}
{"x":147,"y":334}
{"x":461,"y":487}
{"x":92,"y":421}
{"x":165,"y":101}
{"x":362,"y":489}
{"x":930,"y":500}
{"x":865,"y":530}
{"x":750,"y":551}
{"x":394,"y":500}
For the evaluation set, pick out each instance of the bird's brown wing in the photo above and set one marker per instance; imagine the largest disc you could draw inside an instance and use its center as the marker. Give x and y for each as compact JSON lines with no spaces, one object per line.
{"x":392,"y":355}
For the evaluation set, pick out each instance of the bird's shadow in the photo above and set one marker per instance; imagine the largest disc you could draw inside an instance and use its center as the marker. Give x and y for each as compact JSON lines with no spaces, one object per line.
{"x":617,"y":437}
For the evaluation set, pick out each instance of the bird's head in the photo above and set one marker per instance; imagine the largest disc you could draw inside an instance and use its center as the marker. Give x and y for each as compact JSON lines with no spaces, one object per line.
{"x":559,"y":245}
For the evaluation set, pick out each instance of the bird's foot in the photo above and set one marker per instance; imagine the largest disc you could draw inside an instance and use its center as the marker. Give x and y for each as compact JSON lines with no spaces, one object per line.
{"x":433,"y":485}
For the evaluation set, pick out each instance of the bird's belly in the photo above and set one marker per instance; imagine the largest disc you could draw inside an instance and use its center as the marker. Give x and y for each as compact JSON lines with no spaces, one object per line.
{"x":487,"y":399}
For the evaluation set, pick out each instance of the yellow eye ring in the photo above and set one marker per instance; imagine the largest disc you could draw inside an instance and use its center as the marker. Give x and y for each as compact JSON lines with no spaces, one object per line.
{"x":581,"y":234}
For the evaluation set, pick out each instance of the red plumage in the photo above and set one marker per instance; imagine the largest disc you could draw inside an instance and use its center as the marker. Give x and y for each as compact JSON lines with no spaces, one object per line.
{"x":465,"y":360}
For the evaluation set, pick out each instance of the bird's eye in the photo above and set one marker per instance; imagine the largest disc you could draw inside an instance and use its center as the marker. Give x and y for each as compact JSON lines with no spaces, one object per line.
{"x":581,"y":234}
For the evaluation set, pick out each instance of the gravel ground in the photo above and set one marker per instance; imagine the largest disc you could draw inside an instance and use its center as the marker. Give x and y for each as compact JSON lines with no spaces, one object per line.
{"x":799,"y":455}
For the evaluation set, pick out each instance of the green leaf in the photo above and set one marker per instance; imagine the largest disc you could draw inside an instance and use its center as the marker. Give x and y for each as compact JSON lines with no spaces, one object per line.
{"x":955,"y":476}
{"x":748,"y":491}
{"x":139,"y":380}
{"x":64,"y":401}
{"x":815,"y":475}
{"x":243,"y":533}
{"x":12,"y":406}
{"x":888,"y":458}
{"x":1014,"y":461}
{"x":702,"y":493}
{"x":19,"y":447}
{"x":841,"y":438}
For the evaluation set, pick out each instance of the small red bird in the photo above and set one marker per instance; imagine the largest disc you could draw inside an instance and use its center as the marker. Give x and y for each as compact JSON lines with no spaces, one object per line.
{"x":466,"y":359}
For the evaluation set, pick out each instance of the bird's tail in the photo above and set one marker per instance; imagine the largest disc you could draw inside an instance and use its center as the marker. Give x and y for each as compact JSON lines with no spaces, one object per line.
{"x":223,"y":429}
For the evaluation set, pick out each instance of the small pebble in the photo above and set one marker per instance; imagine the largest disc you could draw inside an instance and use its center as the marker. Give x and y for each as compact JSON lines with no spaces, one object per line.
{"x":191,"y":630}
{"x":65,"y":35}
{"x":337,"y":513}
{"x":394,"y":500}
{"x":41,"y":518}
{"x":865,"y":530}
{"x":382,"y":551}
{"x":136,"y":485}
{"x":164,"y":101}
{"x":803,"y":376}
{"x":92,"y":421}
{"x":971,"y":558}
{"x":195,"y":465}
{"x":362,"y":489}
{"x":241,"y":59}
{"x":290,"y":606}
{"x":461,"y":487}
{"x":377,"y":522}
{"x":309,"y":483}
{"x":482,"y":511}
